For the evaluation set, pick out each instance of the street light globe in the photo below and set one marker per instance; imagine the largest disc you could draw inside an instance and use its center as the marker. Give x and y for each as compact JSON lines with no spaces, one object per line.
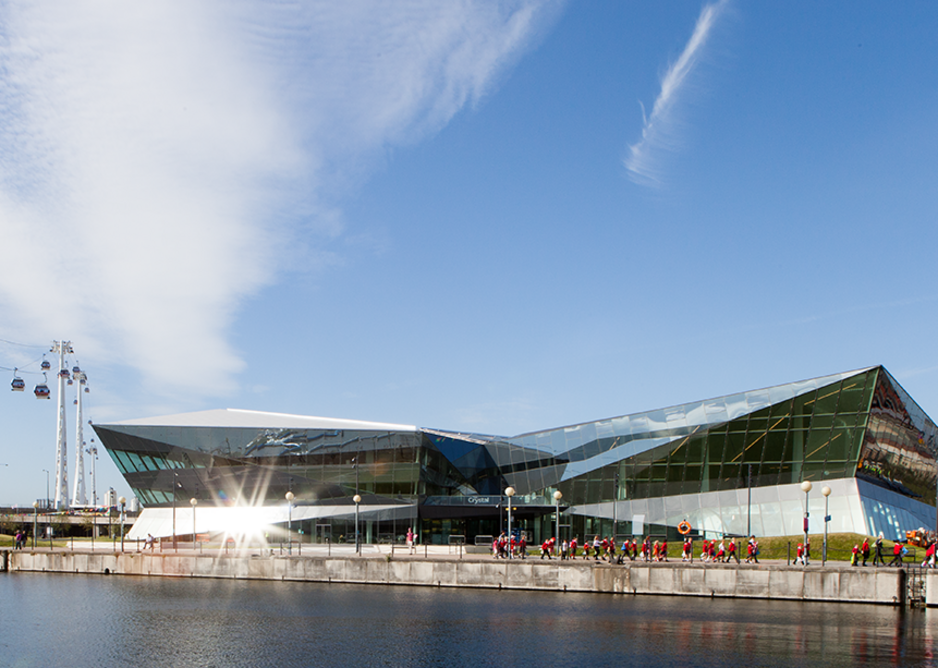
{"x":825,"y":490}
{"x":357,"y":499}
{"x":122,"y":500}
{"x":35,"y":504}
{"x":193,"y":502}
{"x":509,"y":492}
{"x":289,"y":497}
{"x":806,"y":486}
{"x":558,"y":495}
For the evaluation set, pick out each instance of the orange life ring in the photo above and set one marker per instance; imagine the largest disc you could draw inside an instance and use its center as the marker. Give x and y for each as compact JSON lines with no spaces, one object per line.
{"x":684,"y":528}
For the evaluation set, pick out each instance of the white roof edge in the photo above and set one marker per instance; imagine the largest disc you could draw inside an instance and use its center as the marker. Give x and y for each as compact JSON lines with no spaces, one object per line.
{"x":236,"y":417}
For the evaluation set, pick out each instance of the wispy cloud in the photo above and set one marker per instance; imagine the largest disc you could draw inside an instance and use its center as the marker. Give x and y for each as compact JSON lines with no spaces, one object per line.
{"x":659,"y":133}
{"x":159,"y":162}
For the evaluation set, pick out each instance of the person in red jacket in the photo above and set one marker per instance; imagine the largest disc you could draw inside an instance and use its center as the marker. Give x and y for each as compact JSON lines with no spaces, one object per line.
{"x":865,"y":550}
{"x":546,"y":548}
{"x":573,"y":546}
{"x":929,"y":556}
{"x":896,"y":555}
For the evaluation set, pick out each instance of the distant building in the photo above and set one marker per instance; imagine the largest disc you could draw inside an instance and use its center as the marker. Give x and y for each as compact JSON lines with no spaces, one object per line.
{"x":110,"y":499}
{"x":858,"y":433}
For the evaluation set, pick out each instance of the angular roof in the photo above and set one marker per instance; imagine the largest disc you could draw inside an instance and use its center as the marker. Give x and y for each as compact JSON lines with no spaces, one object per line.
{"x":233,"y":417}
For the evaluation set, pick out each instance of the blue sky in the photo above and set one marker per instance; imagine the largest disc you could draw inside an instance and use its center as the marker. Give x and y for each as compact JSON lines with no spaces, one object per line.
{"x":486,"y":217}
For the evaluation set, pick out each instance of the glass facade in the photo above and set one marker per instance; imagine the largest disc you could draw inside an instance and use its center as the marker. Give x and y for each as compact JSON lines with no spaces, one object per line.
{"x":859,"y":424}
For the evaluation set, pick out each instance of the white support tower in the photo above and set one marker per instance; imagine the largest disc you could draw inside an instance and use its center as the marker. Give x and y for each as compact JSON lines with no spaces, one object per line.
{"x":61,"y":448}
{"x":78,"y":491}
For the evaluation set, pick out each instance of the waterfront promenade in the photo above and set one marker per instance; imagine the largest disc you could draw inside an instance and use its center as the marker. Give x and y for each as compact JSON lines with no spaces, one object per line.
{"x":443,"y":566}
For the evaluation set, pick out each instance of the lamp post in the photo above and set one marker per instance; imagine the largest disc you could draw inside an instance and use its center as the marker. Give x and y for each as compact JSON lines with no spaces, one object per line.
{"x":193,"y":502}
{"x":35,"y":521}
{"x":826,"y":491}
{"x":175,"y":477}
{"x":123,"y":502}
{"x":749,"y":502}
{"x":806,"y":488}
{"x":289,"y":497}
{"x":557,"y":496}
{"x":357,"y":499}
{"x":509,"y":492}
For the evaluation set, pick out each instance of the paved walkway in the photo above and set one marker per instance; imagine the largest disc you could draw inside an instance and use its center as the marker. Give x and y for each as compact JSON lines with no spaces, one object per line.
{"x":401,"y":553}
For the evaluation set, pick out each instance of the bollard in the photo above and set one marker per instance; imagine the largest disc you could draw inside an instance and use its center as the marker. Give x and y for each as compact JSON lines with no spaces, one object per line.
{"x":788,"y":558}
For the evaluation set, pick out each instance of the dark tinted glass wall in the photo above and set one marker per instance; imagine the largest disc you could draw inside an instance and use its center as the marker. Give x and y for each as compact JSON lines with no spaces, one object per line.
{"x":813,"y":436}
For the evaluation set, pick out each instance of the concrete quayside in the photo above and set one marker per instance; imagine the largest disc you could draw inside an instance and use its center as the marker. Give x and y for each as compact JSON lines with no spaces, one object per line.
{"x":833,"y":582}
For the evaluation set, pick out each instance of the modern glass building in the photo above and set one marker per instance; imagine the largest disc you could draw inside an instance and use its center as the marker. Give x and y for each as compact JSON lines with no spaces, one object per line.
{"x":730,"y":465}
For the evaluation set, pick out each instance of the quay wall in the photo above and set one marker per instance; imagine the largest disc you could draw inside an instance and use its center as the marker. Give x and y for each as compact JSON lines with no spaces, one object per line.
{"x":766,"y":581}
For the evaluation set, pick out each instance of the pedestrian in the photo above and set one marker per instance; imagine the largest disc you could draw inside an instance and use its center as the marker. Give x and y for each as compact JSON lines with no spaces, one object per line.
{"x":865,"y":549}
{"x":545,"y":549}
{"x":896,"y":555}
{"x":523,"y":545}
{"x":878,"y":553}
{"x":564,"y":548}
{"x":597,"y":548}
{"x":929,"y":555}
{"x":733,"y":553}
{"x":755,"y":549}
{"x":854,"y":556}
{"x":411,"y":548}
{"x":573,"y":548}
{"x":721,"y":552}
{"x":799,"y":551}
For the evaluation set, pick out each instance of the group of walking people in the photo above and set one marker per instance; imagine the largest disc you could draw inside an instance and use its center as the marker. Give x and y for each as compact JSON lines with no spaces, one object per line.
{"x":860,"y":553}
{"x":19,"y":540}
{"x":599,"y":548}
{"x":714,"y":551}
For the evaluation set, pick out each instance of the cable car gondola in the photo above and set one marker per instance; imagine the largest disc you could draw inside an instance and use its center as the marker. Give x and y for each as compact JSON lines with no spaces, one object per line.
{"x":42,"y":389}
{"x":76,"y":371}
{"x":63,"y":373}
{"x":45,"y":366}
{"x":18,"y":384}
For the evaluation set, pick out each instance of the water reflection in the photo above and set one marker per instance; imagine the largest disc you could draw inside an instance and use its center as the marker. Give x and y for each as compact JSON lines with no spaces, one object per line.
{"x":120,"y":621}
